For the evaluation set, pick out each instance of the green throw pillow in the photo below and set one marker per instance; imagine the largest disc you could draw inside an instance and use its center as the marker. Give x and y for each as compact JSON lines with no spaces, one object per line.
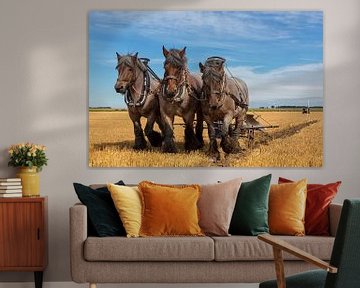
{"x":250,"y":216}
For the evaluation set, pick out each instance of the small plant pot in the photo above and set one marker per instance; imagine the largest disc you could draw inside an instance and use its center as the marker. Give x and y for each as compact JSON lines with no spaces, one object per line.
{"x":30,"y":181}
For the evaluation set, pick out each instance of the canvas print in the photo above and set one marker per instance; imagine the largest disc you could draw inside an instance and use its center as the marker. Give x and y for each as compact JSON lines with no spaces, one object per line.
{"x":205,"y":89}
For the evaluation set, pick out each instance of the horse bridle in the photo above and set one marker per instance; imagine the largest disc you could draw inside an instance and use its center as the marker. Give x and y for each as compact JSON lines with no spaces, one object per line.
{"x":129,"y":100}
{"x":181,"y":87}
{"x":223,"y":84}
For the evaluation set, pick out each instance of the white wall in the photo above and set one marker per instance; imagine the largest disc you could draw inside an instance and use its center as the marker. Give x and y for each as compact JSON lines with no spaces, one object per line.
{"x":43,"y":90}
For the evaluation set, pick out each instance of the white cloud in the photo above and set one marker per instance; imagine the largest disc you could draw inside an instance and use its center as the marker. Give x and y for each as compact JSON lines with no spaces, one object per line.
{"x":207,"y":24}
{"x":296,"y":83}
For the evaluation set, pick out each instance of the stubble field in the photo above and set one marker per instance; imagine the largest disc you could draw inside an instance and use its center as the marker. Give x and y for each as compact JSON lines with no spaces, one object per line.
{"x":298,"y":142}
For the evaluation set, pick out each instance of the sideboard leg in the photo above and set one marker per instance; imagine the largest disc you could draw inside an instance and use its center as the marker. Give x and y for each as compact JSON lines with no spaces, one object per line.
{"x":92,"y":285}
{"x":38,"y":279}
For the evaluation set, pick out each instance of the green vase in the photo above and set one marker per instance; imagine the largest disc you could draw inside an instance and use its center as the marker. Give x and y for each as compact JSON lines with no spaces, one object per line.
{"x":30,"y":181}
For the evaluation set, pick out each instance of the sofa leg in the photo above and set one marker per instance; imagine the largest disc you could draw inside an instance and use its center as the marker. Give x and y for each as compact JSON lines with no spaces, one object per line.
{"x":92,"y":285}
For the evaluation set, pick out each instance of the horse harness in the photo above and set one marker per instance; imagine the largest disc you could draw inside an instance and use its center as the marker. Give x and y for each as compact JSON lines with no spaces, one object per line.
{"x":213,"y":64}
{"x":129,"y":100}
{"x":184,"y":85}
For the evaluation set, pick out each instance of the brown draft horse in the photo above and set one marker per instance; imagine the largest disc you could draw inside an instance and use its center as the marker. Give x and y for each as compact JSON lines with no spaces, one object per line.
{"x":225,"y":99}
{"x":180,"y":95}
{"x":141,"y":97}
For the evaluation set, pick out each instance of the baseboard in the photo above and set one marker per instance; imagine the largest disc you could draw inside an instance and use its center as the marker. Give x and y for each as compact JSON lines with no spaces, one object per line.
{"x":74,"y":285}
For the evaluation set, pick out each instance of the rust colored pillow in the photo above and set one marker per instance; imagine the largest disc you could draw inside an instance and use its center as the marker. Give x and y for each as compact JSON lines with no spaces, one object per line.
{"x":169,"y":210}
{"x":287,"y":204}
{"x":318,"y":200}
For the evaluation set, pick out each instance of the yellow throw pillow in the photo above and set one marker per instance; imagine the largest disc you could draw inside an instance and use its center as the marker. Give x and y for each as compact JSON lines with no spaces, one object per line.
{"x":169,"y":210}
{"x":287,"y":204}
{"x":127,"y":201}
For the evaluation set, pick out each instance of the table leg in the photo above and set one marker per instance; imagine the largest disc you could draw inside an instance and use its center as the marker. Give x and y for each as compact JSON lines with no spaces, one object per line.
{"x":38,"y":279}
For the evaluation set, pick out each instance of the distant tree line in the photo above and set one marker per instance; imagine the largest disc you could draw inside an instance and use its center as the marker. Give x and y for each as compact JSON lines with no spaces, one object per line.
{"x":289,"y":107}
{"x":106,"y":108}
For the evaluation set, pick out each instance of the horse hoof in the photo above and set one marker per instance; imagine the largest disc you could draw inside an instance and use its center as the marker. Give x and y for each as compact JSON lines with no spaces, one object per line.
{"x":169,"y":149}
{"x":193,"y":145}
{"x":141,"y":146}
{"x":230,"y":145}
{"x":155,"y":139}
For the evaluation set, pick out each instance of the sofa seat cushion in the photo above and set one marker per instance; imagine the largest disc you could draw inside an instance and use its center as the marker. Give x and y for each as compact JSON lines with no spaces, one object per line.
{"x":149,"y":249}
{"x":244,"y":248}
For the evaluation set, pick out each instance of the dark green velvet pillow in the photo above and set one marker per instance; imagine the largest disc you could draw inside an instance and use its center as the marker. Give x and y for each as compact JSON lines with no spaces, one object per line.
{"x":250,"y":216}
{"x":103,"y":218}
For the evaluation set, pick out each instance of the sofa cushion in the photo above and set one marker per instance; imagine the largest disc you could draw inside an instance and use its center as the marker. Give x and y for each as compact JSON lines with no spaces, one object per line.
{"x":244,"y":248}
{"x":127,"y":201}
{"x":169,"y":210}
{"x":102,"y":215}
{"x":250,"y":215}
{"x":216,"y":205}
{"x":149,"y":249}
{"x":287,"y":204}
{"x":318,"y":199}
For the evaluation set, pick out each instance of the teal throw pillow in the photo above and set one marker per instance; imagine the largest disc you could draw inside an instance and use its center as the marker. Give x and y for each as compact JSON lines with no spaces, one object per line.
{"x":250,"y":216}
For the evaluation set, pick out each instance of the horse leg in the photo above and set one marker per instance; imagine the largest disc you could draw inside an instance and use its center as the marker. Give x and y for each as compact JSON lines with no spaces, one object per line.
{"x":191,"y":142}
{"x":199,"y":127}
{"x":168,"y":145}
{"x":228,"y":144}
{"x":161,"y":125}
{"x":140,"y":142}
{"x":239,"y":124}
{"x":154,"y":137}
{"x":213,"y":147}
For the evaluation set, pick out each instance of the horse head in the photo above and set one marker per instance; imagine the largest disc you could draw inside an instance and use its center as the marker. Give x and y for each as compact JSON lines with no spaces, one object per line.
{"x":127,"y":66}
{"x":175,"y":66}
{"x":214,"y":79}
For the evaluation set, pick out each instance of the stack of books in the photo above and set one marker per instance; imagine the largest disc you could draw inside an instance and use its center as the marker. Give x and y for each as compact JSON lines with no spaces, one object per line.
{"x":10,"y":187}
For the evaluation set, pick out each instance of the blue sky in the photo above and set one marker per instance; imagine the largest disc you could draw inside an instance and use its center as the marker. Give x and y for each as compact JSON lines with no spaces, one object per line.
{"x":278,"y":54}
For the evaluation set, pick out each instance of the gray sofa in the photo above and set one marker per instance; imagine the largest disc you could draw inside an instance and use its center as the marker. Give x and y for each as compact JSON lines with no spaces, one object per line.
{"x":234,"y":259}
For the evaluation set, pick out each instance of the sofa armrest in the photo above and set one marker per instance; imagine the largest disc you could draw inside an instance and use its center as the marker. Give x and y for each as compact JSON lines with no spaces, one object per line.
{"x":78,"y":235}
{"x":334,"y":217}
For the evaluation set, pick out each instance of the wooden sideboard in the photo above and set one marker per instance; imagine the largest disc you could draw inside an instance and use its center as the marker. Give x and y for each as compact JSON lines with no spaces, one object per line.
{"x":23,"y":235}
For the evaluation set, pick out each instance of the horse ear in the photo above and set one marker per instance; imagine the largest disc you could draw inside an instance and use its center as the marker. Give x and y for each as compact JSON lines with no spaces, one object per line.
{"x":118,"y":55}
{"x":134,"y":58}
{"x":202,"y":67}
{"x":165,"y":52}
{"x":182,"y":52}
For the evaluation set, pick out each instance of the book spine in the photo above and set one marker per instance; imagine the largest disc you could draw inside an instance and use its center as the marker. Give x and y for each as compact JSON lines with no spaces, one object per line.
{"x":10,"y":180}
{"x":10,"y":183}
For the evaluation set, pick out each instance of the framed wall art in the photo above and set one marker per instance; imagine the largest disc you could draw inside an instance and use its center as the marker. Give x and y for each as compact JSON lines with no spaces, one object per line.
{"x":205,"y":88}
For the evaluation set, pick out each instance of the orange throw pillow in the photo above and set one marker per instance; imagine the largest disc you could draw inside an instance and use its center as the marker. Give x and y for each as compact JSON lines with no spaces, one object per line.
{"x":287,"y":204}
{"x":319,"y":197}
{"x":169,"y":210}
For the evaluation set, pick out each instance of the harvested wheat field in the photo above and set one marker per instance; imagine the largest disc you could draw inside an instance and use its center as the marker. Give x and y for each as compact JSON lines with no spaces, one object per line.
{"x":298,"y":142}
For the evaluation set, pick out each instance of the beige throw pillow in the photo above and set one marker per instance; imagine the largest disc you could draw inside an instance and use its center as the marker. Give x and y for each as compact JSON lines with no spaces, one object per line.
{"x":216,"y":206}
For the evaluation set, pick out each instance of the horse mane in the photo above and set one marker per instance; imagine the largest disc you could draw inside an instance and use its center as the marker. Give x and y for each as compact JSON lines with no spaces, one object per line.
{"x":175,"y":59}
{"x":212,"y":73}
